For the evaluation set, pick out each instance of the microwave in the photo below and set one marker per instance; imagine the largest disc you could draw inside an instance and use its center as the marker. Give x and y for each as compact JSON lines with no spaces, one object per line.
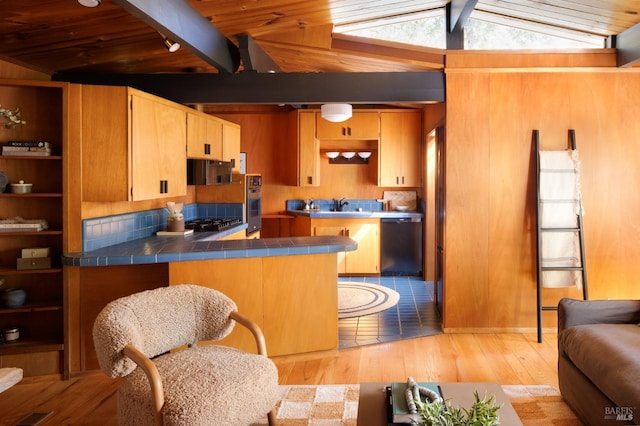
{"x":209,"y":172}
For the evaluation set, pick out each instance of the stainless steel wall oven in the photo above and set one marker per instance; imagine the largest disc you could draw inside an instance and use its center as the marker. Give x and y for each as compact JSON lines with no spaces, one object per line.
{"x":254,"y":203}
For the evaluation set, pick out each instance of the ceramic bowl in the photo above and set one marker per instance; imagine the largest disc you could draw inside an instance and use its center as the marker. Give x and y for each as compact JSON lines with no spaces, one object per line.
{"x":21,"y":188}
{"x":13,"y":297}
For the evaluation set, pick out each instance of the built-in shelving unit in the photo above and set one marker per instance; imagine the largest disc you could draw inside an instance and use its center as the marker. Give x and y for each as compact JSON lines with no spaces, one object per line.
{"x":40,"y":320}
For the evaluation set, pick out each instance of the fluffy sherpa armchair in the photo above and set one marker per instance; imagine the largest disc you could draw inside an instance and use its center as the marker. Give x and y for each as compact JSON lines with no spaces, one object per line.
{"x":200,"y":385}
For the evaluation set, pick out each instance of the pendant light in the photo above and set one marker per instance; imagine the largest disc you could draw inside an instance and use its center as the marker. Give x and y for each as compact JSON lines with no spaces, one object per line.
{"x":336,"y":112}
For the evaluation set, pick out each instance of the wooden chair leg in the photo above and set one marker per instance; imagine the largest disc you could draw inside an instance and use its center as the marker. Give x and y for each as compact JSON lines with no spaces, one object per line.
{"x":271,"y":417}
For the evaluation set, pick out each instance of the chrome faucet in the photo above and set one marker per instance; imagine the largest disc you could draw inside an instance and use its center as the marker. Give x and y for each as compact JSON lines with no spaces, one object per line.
{"x":343,"y":202}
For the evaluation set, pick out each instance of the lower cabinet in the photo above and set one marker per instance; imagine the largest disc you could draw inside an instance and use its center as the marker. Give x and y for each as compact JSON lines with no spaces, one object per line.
{"x":296,"y":309}
{"x":366,"y":232}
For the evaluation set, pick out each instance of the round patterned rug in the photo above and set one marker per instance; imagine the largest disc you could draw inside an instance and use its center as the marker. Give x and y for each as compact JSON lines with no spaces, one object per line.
{"x":358,"y":299}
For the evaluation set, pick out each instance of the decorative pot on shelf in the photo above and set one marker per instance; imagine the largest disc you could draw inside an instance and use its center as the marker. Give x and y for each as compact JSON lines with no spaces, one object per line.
{"x":13,"y":297}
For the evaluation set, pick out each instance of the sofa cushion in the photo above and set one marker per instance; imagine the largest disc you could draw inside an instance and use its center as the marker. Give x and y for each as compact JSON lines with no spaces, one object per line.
{"x":609,"y":355}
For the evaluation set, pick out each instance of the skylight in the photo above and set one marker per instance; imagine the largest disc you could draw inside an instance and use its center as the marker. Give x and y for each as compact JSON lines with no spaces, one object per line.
{"x":483,"y":31}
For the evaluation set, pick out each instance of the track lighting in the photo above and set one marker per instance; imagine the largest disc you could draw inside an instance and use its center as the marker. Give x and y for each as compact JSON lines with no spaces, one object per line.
{"x":171,"y":45}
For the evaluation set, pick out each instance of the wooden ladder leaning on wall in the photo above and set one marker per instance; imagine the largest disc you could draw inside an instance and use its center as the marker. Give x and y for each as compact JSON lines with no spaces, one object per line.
{"x":567,"y":267}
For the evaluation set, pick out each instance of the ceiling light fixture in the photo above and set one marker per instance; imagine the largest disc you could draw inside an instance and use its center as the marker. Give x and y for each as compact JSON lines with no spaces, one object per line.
{"x":89,"y":3}
{"x":336,"y":112}
{"x":171,"y":45}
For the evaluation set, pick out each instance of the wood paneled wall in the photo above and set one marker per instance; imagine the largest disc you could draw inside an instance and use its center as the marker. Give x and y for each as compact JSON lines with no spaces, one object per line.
{"x":9,"y":70}
{"x":269,"y":150}
{"x":490,"y":257}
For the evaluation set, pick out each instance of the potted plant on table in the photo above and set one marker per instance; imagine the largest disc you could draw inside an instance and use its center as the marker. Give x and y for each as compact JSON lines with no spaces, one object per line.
{"x":484,"y":412}
{"x":434,"y":411}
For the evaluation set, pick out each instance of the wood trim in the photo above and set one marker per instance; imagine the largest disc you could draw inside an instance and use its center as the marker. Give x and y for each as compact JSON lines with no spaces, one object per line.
{"x":577,"y":58}
{"x":377,"y":49}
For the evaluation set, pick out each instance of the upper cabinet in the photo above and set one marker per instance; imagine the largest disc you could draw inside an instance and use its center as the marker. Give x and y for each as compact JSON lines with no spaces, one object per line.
{"x":133,"y":145}
{"x":211,"y":138}
{"x":204,"y":137}
{"x":399,"y":150}
{"x":231,"y":144}
{"x":362,"y":125}
{"x":305,"y":157}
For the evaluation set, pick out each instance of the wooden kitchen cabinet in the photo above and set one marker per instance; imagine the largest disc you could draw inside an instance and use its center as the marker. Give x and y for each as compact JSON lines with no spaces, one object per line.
{"x":362,"y":125}
{"x":304,"y":156}
{"x":400,"y":150}
{"x":204,"y":137}
{"x":40,"y":347}
{"x":366,"y":232}
{"x":296,"y":309}
{"x":133,"y":145}
{"x":211,"y":138}
{"x":231,"y":144}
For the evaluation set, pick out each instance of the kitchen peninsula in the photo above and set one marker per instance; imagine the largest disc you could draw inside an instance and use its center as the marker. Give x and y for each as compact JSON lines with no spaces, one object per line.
{"x":287,"y":285}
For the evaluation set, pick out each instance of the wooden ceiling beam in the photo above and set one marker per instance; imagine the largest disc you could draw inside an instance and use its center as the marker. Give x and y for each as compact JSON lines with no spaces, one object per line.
{"x":253,"y":57}
{"x":460,"y":12}
{"x":182,"y":23}
{"x":627,"y":45}
{"x":280,"y":88}
{"x":381,"y":49}
{"x":457,"y":13}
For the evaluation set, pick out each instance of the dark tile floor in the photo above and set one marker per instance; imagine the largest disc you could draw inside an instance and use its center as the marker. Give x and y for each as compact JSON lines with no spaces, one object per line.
{"x":415,"y":314}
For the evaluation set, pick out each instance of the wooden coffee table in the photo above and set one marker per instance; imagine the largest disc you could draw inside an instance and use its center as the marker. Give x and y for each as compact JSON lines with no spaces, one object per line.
{"x":372,"y":410}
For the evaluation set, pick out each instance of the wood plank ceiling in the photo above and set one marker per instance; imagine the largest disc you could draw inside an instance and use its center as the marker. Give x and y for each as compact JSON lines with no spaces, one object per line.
{"x":56,"y":36}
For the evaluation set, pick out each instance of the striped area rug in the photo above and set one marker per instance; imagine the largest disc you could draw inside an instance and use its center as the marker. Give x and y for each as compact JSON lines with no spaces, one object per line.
{"x":337,"y":405}
{"x":356,"y":299}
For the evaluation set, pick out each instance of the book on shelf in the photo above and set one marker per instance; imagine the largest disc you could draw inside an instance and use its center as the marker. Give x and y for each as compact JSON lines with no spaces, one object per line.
{"x":40,"y":144}
{"x":20,"y":227}
{"x":27,"y":148}
{"x":397,"y":408}
{"x":27,"y":153}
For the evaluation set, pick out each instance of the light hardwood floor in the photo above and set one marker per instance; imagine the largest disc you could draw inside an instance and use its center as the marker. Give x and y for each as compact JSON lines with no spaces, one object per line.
{"x":90,"y":399}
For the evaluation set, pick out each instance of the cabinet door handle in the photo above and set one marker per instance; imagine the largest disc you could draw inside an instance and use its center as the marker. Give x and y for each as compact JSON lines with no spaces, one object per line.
{"x":207,"y":149}
{"x":349,"y":130}
{"x":403,"y":180}
{"x":164,"y":186}
{"x":310,"y":180}
{"x":397,"y":180}
{"x":348,"y":235}
{"x":344,"y":131}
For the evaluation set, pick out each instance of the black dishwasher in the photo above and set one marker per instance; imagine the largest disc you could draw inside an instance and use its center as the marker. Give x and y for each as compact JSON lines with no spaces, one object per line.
{"x":401,"y":246}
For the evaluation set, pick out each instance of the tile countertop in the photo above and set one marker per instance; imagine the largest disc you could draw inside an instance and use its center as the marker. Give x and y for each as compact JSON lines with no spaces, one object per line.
{"x":325,"y":214}
{"x":205,"y":246}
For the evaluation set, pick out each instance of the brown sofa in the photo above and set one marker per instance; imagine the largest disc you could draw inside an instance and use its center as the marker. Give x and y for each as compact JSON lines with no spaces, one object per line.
{"x":599,"y":359}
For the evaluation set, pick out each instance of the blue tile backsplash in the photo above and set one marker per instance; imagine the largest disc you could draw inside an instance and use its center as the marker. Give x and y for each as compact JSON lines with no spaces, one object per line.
{"x":110,"y":230}
{"x":328,"y":205}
